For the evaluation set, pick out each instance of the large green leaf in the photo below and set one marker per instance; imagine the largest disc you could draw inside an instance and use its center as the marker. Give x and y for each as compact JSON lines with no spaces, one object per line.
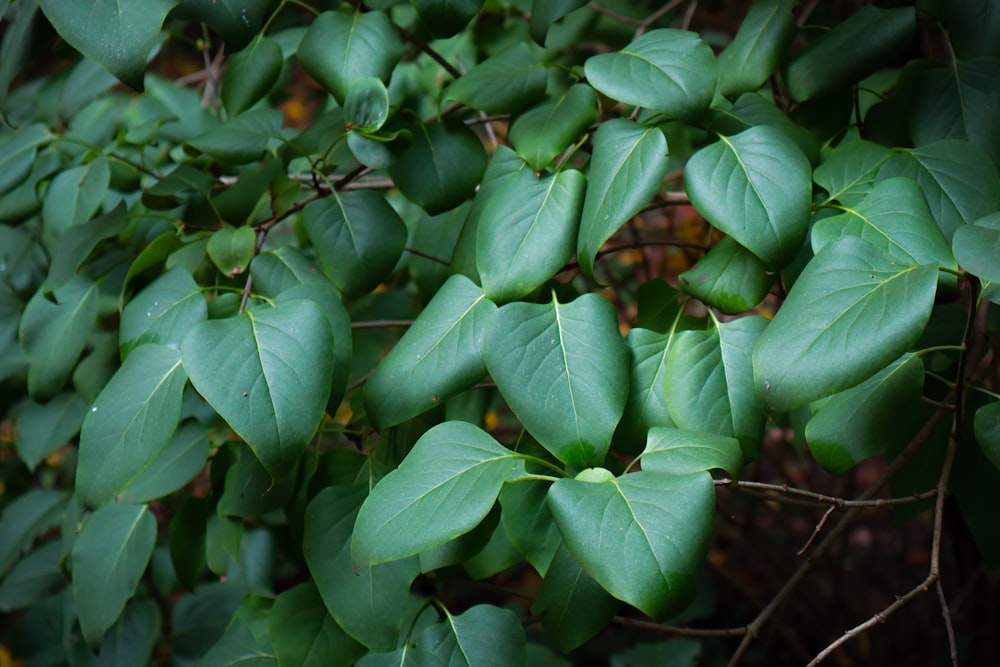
{"x":541,"y":133}
{"x":358,"y":239}
{"x":250,"y":74}
{"x":710,"y":384}
{"x":439,"y":356}
{"x":848,"y":171}
{"x":646,"y":406}
{"x":527,"y":232}
{"x":523,"y":78}
{"x":894,"y":218}
{"x":868,"y":40}
{"x":729,"y":277}
{"x":483,"y":635}
{"x":76,"y":244}
{"x":977,"y":247}
{"x":267,"y":373}
{"x":72,"y":197}
{"x":442,"y":166}
{"x":54,"y":334}
{"x":446,"y":17}
{"x":747,"y":61}
{"x":526,"y":519}
{"x":445,"y":487}
{"x":43,"y":428}
{"x":958,"y":178}
{"x":109,"y":556}
{"x":347,"y":45}
{"x":851,"y":313}
{"x":371,"y":604}
{"x":666,"y":70}
{"x":176,"y":464}
{"x":305,"y":635}
{"x":627,"y":169}
{"x":130,"y":423}
{"x":864,"y":420}
{"x":118,"y":35}
{"x":163,"y":312}
{"x":755,"y":186}
{"x":563,"y":369}
{"x":756,"y":108}
{"x":678,"y":452}
{"x":573,"y":607}
{"x":658,"y":524}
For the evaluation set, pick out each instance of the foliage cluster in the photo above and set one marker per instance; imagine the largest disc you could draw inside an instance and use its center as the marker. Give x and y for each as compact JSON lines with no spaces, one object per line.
{"x":219,"y":449}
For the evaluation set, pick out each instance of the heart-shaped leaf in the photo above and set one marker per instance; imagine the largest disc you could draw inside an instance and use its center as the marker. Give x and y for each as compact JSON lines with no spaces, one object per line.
{"x":367,"y":104}
{"x":250,"y":74}
{"x":729,"y":277}
{"x":848,"y":171}
{"x":483,"y":635}
{"x":267,"y":373}
{"x":232,"y":248}
{"x":163,"y":312}
{"x":541,"y":133}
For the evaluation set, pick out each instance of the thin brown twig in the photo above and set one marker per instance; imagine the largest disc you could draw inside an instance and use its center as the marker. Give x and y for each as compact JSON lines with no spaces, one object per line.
{"x":949,"y":628}
{"x":678,"y":631}
{"x":820,"y":499}
{"x":426,"y":48}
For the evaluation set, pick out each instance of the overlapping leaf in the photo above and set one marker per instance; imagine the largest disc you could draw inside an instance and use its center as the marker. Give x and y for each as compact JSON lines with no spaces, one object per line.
{"x":482,"y":635}
{"x":523,"y":76}
{"x":541,"y":133}
{"x":729,"y":277}
{"x":250,"y":74}
{"x":747,"y":61}
{"x":163,"y":312}
{"x":446,"y":17}
{"x":977,"y":247}
{"x":848,"y":171}
{"x":679,"y":452}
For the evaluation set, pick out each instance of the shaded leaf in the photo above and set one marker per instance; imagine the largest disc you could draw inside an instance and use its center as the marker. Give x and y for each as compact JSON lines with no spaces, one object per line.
{"x":541,"y":133}
{"x":748,"y":61}
{"x":77,"y":243}
{"x":526,"y":519}
{"x":250,"y":74}
{"x":304,"y":634}
{"x":483,"y":635}
{"x":366,"y":106}
{"x":43,"y":428}
{"x":163,"y":312}
{"x":848,"y":171}
{"x":446,"y":17}
{"x":237,"y":21}
{"x":242,"y":139}
{"x":678,"y":452}
{"x":987,"y":430}
{"x":523,"y":77}
{"x":72,"y":197}
{"x":232,"y":248}
{"x":977,"y":247}
{"x":729,"y":277}
{"x":24,"y":518}
{"x":33,"y":577}
{"x":176,"y":464}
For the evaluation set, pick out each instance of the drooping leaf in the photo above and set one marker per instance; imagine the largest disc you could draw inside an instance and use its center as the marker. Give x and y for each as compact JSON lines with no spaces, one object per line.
{"x":267,"y":373}
{"x":163,"y":312}
{"x":33,"y":578}
{"x":446,"y":17}
{"x":523,"y":76}
{"x":439,"y":356}
{"x":666,"y":70}
{"x":573,"y":607}
{"x":370,"y":605}
{"x":117,"y":35}
{"x":528,"y":522}
{"x":366,"y":106}
{"x":344,"y":46}
{"x":109,"y":556}
{"x":747,"y":61}
{"x":304,"y":634}
{"x":864,"y":420}
{"x":250,"y":74}
{"x":627,"y":169}
{"x":358,"y":239}
{"x":446,"y":485}
{"x":729,"y":277}
{"x":527,"y":232}
{"x":54,"y":334}
{"x":977,"y":247}
{"x":27,"y":516}
{"x":242,"y":139}
{"x":441,"y":168}
{"x":710,"y":383}
{"x":563,"y":369}
{"x":868,"y":40}
{"x":894,"y":218}
{"x":848,"y":171}
{"x":541,"y":133}
{"x":175,"y":465}
{"x":851,"y":313}
{"x":960,"y":182}
{"x":43,"y":428}
{"x":232,"y":248}
{"x":679,"y":452}
{"x":659,"y":524}
{"x":755,"y":186}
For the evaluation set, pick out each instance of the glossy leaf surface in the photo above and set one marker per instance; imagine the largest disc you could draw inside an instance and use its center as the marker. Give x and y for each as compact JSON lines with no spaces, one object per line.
{"x":678,"y":452}
{"x":482,"y":635}
{"x":524,"y":85}
{"x":250,"y":74}
{"x":541,"y":133}
{"x":747,"y":61}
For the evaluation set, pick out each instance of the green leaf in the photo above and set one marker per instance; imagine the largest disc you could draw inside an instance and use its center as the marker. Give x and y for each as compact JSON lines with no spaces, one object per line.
{"x":977,"y":247}
{"x":73,"y":196}
{"x":42,"y":429}
{"x":541,"y":133}
{"x":132,"y":639}
{"x":563,"y":370}
{"x":573,"y":607}
{"x":439,"y":356}
{"x":344,"y":46}
{"x":54,"y":334}
{"x":958,"y":178}
{"x":17,"y":154}
{"x":441,"y":168}
{"x":444,"y":488}
{"x":237,"y":21}
{"x":750,"y":59}
{"x":710,"y":384}
{"x":275,"y":271}
{"x":304,"y":634}
{"x":242,"y":139}
{"x":446,"y":17}
{"x":659,"y":524}
{"x":864,"y":420}
{"x":176,"y":464}
{"x":729,"y":277}
{"x":371,"y":604}
{"x":358,"y":237}
{"x":546,"y":12}
{"x":35,"y":576}
{"x":119,"y":36}
{"x":267,"y":373}
{"x":894,"y":218}
{"x":482,"y":635}
{"x":109,"y":556}
{"x":665,"y":70}
{"x":77,"y":243}
{"x":678,"y":452}
{"x":848,"y":171}
{"x":250,"y":74}
{"x":238,"y":648}
{"x":232,"y":248}
{"x":851,"y":313}
{"x":527,"y":231}
{"x":407,"y":656}
{"x":627,"y":169}
{"x":367,"y":104}
{"x":24,"y":519}
{"x":523,"y":77}
{"x":130,"y":423}
{"x":163,"y":312}
{"x":734,"y":183}
{"x":868,"y":40}
{"x":987,"y":430}
{"x":526,"y":519}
